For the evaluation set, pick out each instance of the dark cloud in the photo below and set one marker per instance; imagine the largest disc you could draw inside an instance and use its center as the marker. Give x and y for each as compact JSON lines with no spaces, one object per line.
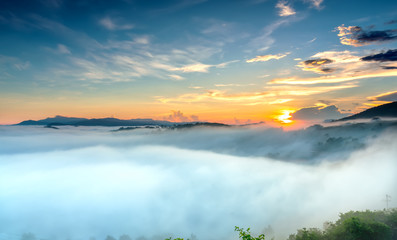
{"x":390,"y":55}
{"x":317,"y":62}
{"x":375,"y":36}
{"x":389,"y":67}
{"x":327,"y":70}
{"x":357,"y":36}
{"x":318,"y":113}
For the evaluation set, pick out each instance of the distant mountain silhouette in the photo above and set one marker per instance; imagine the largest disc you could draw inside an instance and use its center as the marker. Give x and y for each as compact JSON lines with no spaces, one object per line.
{"x":108,"y":122}
{"x":385,"y":110}
{"x":115,"y":122}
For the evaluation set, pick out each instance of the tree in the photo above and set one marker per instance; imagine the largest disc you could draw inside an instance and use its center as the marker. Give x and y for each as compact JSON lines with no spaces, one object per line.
{"x":246,"y":234}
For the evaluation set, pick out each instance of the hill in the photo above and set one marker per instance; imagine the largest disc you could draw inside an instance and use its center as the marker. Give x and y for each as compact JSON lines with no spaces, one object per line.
{"x":107,"y":122}
{"x":385,"y":110}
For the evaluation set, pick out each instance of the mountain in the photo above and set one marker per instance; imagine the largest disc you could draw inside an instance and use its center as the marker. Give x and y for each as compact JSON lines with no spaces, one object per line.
{"x":385,"y":110}
{"x":57,"y":120}
{"x":108,"y":122}
{"x":115,"y":122}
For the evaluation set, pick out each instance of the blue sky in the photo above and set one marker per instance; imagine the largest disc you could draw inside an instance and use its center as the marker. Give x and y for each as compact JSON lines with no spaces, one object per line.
{"x":178,"y":60}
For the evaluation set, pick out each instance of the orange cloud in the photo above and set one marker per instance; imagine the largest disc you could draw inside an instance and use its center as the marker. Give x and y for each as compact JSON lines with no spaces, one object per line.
{"x":385,"y":97}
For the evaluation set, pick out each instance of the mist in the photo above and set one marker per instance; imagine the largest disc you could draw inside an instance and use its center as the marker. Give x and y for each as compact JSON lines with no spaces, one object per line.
{"x":81,"y":182}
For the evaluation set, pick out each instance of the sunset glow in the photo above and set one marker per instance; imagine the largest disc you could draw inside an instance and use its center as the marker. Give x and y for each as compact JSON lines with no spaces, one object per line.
{"x":285,"y":117}
{"x":137,"y":59}
{"x":198,"y":119}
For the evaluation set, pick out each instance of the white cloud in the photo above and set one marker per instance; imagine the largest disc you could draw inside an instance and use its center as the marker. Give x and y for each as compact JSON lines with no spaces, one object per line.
{"x":316,"y":3}
{"x":63,"y":49}
{"x":146,"y":182}
{"x":22,"y":65}
{"x":197,"y":67}
{"x":111,"y":24}
{"x":176,"y":77}
{"x":285,"y":9}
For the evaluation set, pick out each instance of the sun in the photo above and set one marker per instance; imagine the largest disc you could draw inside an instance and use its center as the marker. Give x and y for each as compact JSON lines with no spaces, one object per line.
{"x":285,"y":117}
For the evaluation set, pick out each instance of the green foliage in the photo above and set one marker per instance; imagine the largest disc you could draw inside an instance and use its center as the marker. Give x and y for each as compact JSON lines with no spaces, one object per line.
{"x":307,"y":234}
{"x":246,"y":234}
{"x":359,"y":225}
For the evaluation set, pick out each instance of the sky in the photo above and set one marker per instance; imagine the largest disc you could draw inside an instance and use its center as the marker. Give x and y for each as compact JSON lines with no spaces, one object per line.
{"x":280,"y":62}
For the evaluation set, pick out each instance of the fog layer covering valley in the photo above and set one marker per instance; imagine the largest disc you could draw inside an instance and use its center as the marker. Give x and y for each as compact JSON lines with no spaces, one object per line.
{"x":77,"y":182}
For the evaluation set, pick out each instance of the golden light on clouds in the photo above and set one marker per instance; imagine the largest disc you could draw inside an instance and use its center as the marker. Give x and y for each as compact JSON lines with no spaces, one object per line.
{"x":265,"y":58}
{"x":285,"y":117}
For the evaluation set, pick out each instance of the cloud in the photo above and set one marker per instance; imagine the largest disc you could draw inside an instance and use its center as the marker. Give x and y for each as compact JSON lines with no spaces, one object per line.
{"x":338,"y":67}
{"x":14,"y":62}
{"x":264,"y":40}
{"x":311,"y":41}
{"x":22,"y":65}
{"x":390,"y":55}
{"x":265,"y":58}
{"x":385,"y":97}
{"x":81,"y":182}
{"x":62,"y":49}
{"x":317,"y":62}
{"x":315,"y":3}
{"x":318,"y":113}
{"x":316,"y":65}
{"x":178,"y":116}
{"x":142,"y":40}
{"x":356,"y":36}
{"x":285,"y":9}
{"x":270,"y":95}
{"x":110,"y":24}
{"x":332,"y":79}
{"x":176,"y":77}
{"x":200,"y":67}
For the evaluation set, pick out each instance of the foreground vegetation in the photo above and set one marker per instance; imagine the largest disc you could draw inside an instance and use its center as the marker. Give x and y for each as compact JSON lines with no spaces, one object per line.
{"x":353,"y":225}
{"x":359,"y":225}
{"x":363,"y":225}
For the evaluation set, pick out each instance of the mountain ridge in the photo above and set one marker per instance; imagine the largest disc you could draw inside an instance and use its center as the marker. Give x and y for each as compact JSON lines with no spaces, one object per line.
{"x":111,"y":122}
{"x":384,"y":110}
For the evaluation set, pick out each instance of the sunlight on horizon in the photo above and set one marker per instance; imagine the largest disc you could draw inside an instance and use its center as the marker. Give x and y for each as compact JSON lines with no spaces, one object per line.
{"x":285,"y":117}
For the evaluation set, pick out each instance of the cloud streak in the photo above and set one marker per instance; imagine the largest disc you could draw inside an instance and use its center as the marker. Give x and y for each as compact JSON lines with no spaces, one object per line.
{"x":265,"y":58}
{"x":111,"y":24}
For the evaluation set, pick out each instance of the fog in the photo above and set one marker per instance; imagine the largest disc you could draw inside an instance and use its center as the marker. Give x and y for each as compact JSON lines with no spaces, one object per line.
{"x":75,"y":182}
